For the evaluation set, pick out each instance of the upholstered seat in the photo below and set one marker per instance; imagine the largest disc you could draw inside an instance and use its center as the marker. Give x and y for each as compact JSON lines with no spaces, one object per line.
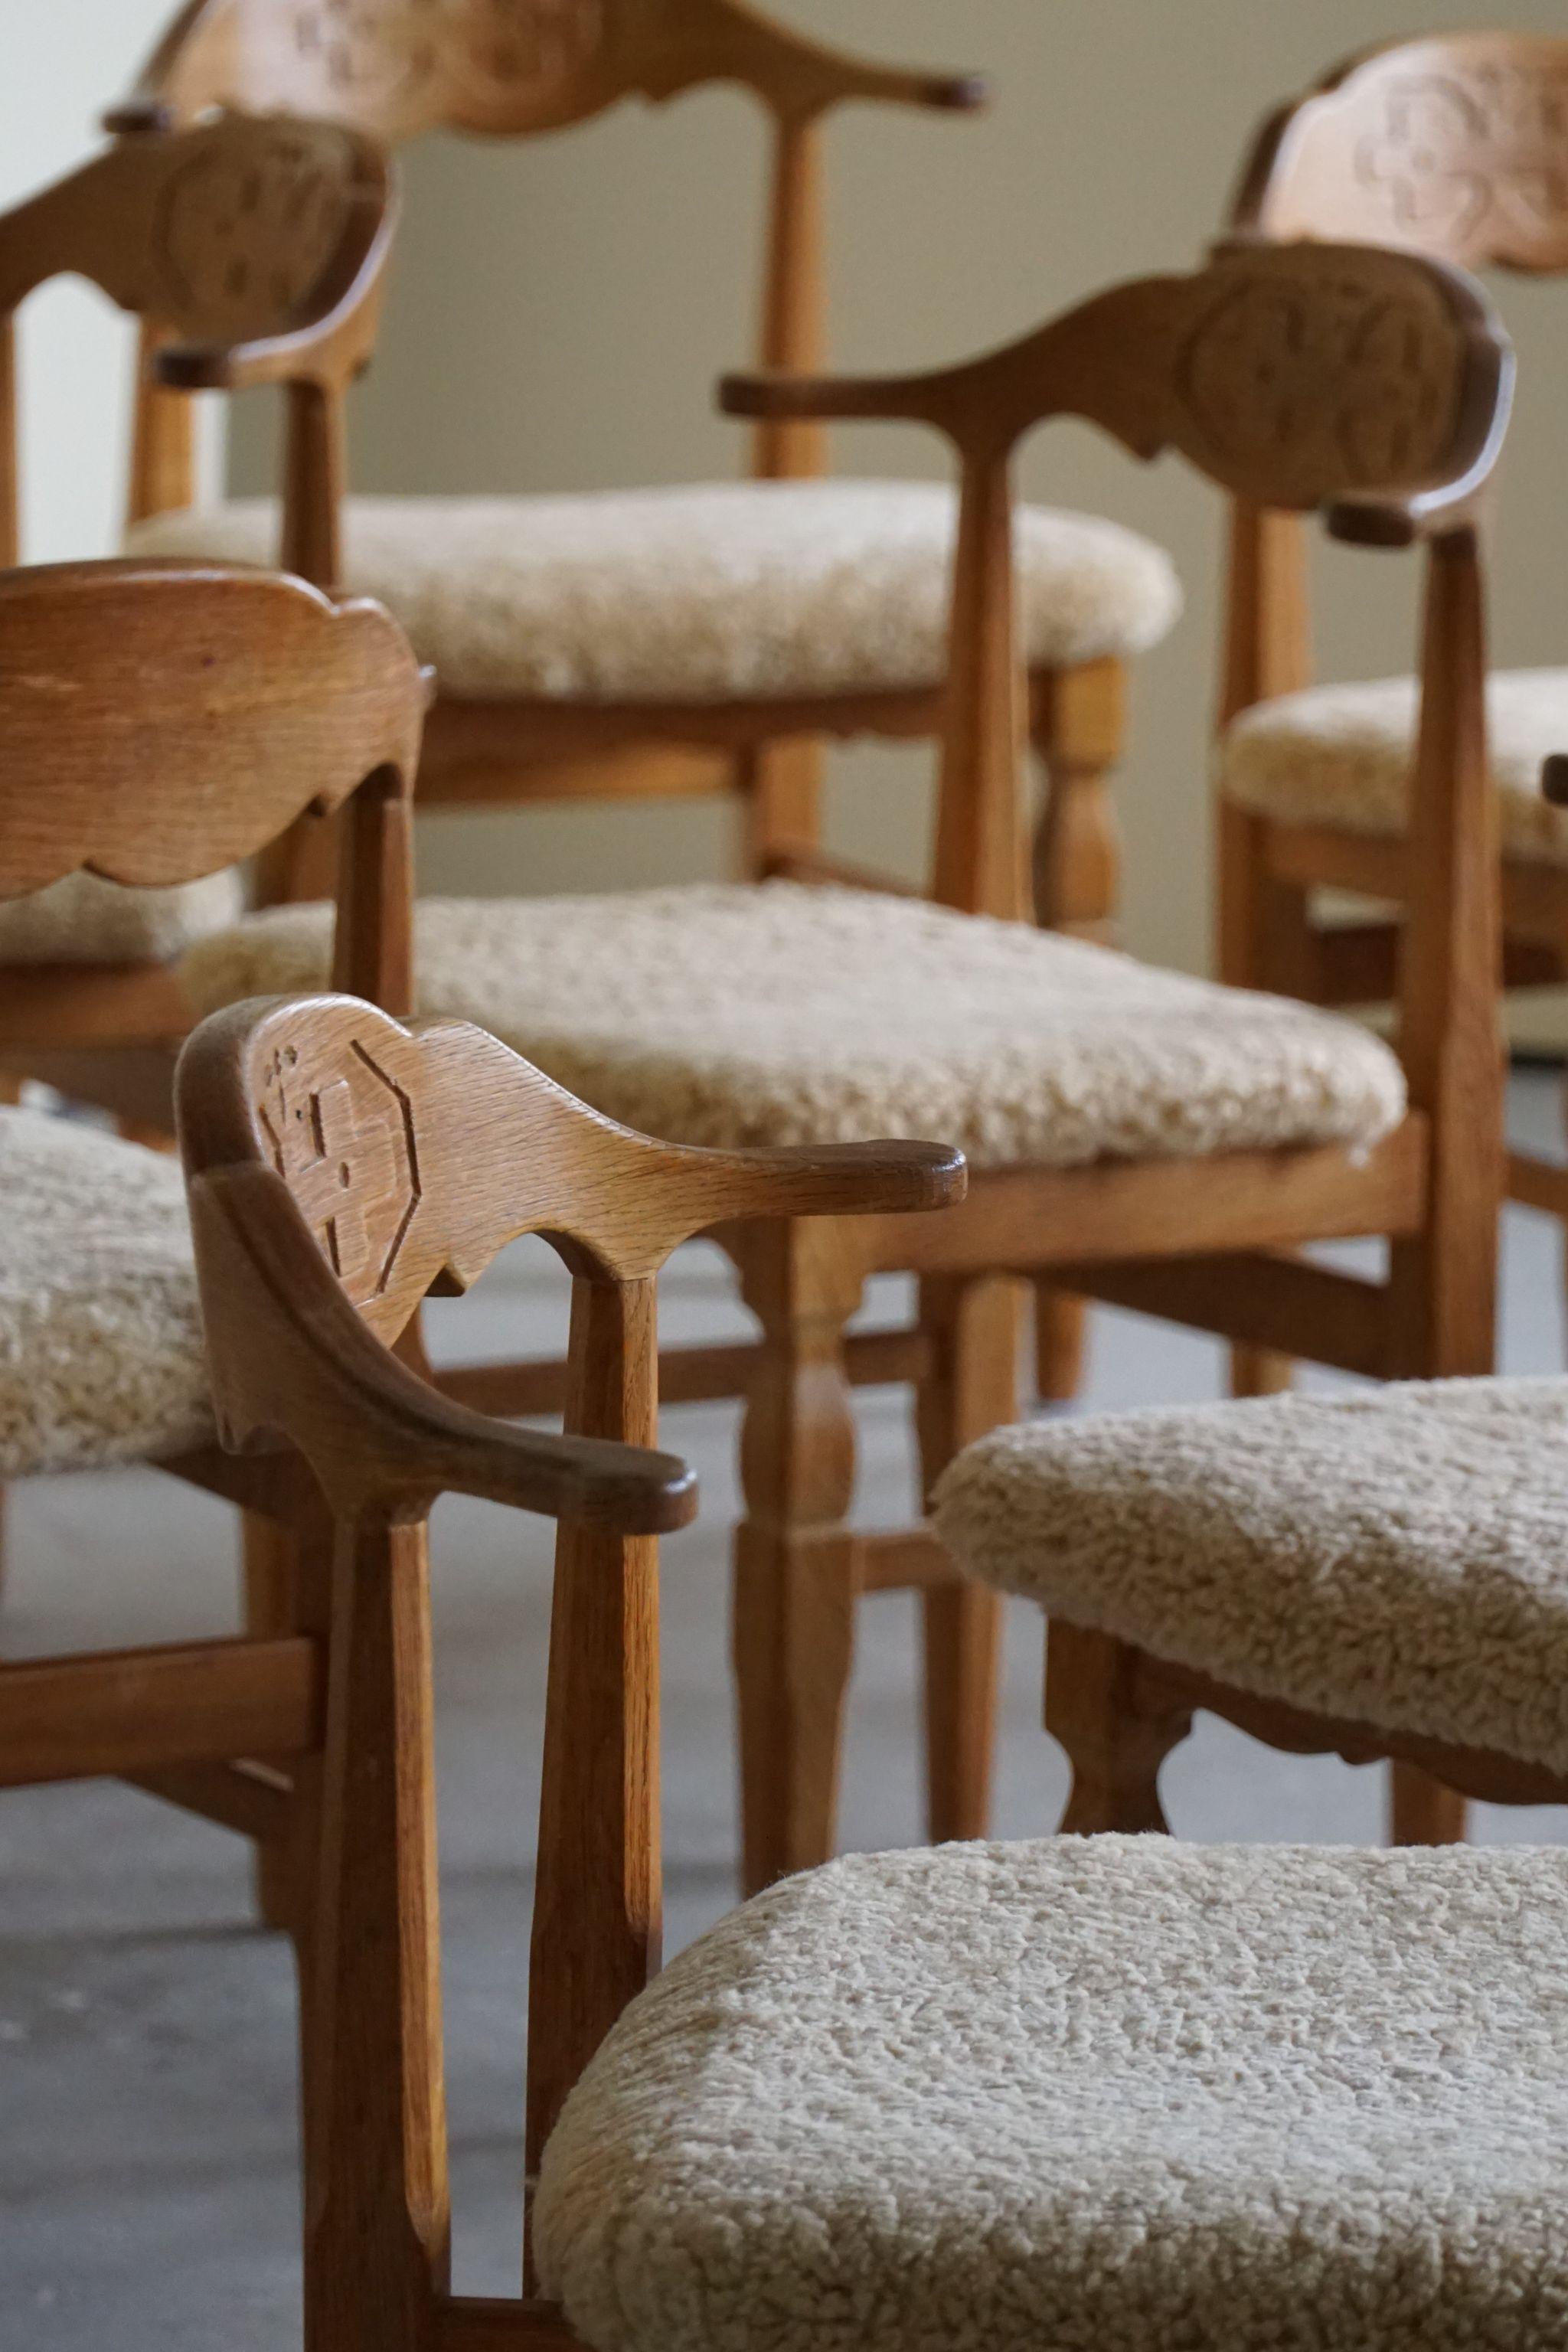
{"x":85,"y":920}
{"x":783,"y":1013}
{"x":1341,"y":755}
{"x":705,"y":594}
{"x":1106,"y":2095}
{"x":100,"y":1350}
{"x":1398,"y":1558}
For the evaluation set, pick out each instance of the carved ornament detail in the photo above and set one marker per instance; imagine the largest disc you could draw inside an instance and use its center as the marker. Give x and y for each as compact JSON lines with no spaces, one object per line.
{"x":1449,"y":153}
{"x":1323,"y":389}
{"x":248,"y":227}
{"x":376,"y":53}
{"x":342,"y":1138}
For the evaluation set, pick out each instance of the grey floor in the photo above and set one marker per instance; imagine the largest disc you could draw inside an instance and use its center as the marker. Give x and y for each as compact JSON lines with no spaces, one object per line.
{"x":147,"y":2182}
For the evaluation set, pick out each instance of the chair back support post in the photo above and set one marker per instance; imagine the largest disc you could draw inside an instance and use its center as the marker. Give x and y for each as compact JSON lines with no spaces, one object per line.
{"x":1267,"y":629}
{"x":1449,"y":980}
{"x":793,"y":297}
{"x":981,"y":856}
{"x":315,"y":482}
{"x":597,"y":1911}
{"x":163,"y":438}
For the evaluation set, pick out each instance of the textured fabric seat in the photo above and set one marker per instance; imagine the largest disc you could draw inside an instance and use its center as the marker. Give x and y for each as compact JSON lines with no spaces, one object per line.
{"x":100,"y":1349}
{"x":705,"y":594}
{"x":1341,"y":755}
{"x":1399,"y":1557}
{"x":85,"y":920}
{"x":1104,"y":2095}
{"x":782,"y":1014}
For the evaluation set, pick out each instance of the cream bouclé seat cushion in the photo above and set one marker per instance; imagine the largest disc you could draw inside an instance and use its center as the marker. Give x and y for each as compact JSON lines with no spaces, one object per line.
{"x":1086,"y":2095}
{"x":85,"y":920}
{"x":709,"y":592}
{"x":101,"y":1348}
{"x":1398,"y":1558}
{"x":781,"y":1013}
{"x":1340,"y":756}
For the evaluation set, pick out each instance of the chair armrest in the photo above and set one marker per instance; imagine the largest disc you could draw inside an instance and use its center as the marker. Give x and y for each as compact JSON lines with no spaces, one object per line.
{"x":1554,"y":779}
{"x":771,"y":394}
{"x":844,"y":1180}
{"x":291,"y":1356}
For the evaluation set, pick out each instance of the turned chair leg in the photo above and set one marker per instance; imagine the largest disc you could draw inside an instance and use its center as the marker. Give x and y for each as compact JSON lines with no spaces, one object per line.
{"x":1115,"y":1735}
{"x":793,"y":1609}
{"x":974,"y":1328}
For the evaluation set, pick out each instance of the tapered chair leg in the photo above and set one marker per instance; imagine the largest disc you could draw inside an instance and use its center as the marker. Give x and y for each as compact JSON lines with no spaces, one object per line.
{"x":286,"y":1578}
{"x":793,"y":1612}
{"x":1260,"y":1372}
{"x":377,"y":2215}
{"x":1421,"y":1811}
{"x":1116,"y":1738}
{"x":975,"y":1327}
{"x":1061,"y":1333}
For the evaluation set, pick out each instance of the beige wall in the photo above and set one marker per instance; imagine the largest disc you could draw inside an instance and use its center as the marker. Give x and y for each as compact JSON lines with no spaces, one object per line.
{"x":63,"y":62}
{"x":559,"y":312}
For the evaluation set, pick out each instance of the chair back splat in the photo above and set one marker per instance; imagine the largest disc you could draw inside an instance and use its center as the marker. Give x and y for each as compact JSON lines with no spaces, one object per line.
{"x":334,"y":1156}
{"x":317,"y":703}
{"x":251,"y":251}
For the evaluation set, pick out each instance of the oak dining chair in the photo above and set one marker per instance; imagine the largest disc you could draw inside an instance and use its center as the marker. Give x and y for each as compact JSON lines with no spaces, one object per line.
{"x":1146,"y":1137}
{"x":130,"y":696}
{"x":452,"y":1147}
{"x":688,"y":641}
{"x":1455,"y":146}
{"x":1109,"y":2089}
{"x":246,"y":248}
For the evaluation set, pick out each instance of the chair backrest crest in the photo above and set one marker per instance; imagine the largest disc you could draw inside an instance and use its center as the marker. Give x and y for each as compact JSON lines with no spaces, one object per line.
{"x":1455,"y":146}
{"x":191,"y":674}
{"x":397,"y":68}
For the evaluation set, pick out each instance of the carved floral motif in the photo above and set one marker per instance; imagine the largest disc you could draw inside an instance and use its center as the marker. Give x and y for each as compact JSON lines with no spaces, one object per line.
{"x":343,"y":1141}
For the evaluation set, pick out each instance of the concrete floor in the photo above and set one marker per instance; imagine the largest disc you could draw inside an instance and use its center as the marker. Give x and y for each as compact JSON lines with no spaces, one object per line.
{"x":147,"y":2163}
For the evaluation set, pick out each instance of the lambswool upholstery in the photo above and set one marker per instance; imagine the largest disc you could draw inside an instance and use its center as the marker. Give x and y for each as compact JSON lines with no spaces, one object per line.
{"x":704,"y":593}
{"x":100,"y":1345}
{"x":785,"y":1013}
{"x":1104,"y":2095}
{"x":85,"y":920}
{"x":1341,"y":755}
{"x":1398,"y":1558}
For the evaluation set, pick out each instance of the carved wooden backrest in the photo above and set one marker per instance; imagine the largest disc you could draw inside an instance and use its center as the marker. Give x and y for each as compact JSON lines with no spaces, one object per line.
{"x":159,"y":721}
{"x":399,"y":67}
{"x":1455,"y":146}
{"x":414,"y":1155}
{"x":232,"y":232}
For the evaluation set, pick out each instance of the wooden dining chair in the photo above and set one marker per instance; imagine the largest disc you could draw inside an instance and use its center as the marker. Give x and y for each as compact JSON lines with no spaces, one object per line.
{"x":1455,"y":146}
{"x":1146,"y":1137}
{"x":250,"y":248}
{"x":452,"y":1148}
{"x":690,"y":641}
{"x":1109,"y":2089}
{"x":130,"y":698}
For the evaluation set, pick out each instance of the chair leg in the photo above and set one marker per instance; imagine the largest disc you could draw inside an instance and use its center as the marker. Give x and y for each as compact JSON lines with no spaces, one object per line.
{"x":1260,"y":1372}
{"x":272,"y":1572}
{"x":1421,"y":1811}
{"x":1078,"y":729}
{"x":793,"y":1610}
{"x":1061,"y":1332}
{"x":975,"y":1327}
{"x":781,"y":793}
{"x":377,"y":2213}
{"x":1116,"y":1738}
